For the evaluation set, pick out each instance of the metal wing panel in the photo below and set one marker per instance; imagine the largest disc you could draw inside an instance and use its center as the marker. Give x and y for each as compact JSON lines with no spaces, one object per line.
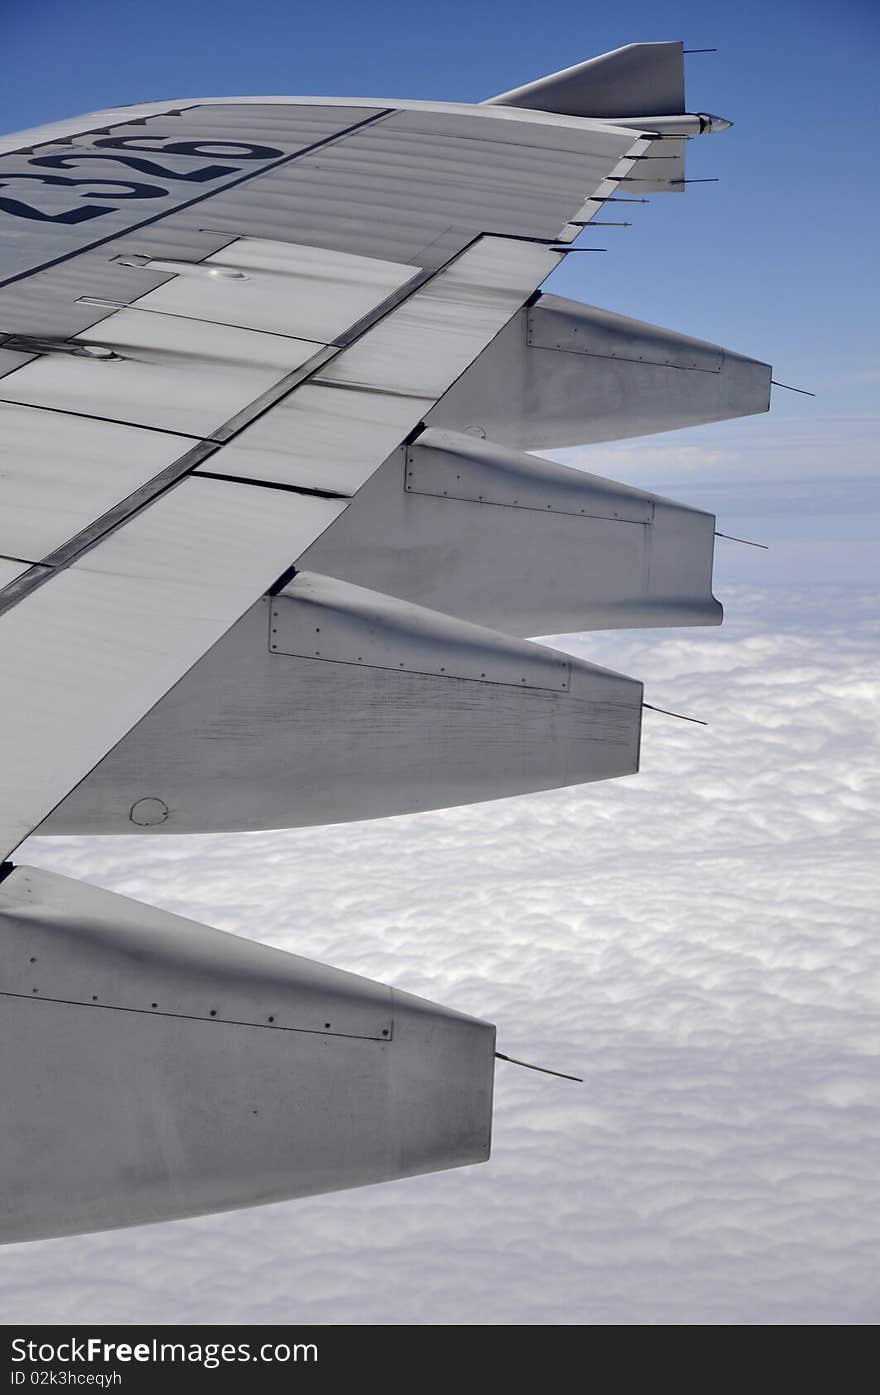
{"x":10,"y":568}
{"x":124,"y":1109}
{"x":321,"y":436}
{"x":318,"y":617}
{"x":80,"y":291}
{"x":45,"y":452}
{"x":137,"y":113}
{"x":278,"y":287}
{"x":454,"y":465}
{"x":429,"y":341}
{"x":88,"y":653}
{"x":387,"y":196}
{"x":375,"y":724}
{"x":379,"y":388}
{"x":549,"y":135}
{"x":296,"y":125}
{"x":85,"y":947}
{"x":172,"y":373}
{"x":61,"y":198}
{"x":562,"y":373}
{"x":503,"y":539}
{"x":257,"y":166}
{"x":417,"y":193}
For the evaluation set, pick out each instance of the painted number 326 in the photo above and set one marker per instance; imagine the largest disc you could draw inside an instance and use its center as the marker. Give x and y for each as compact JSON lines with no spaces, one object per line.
{"x":117,"y":154}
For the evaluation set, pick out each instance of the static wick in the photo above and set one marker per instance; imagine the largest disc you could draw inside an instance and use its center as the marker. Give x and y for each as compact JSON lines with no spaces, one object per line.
{"x":680,"y":715}
{"x":788,"y":388}
{"x":748,"y":542}
{"x":543,"y":1069}
{"x":699,"y":50}
{"x":578,"y":249}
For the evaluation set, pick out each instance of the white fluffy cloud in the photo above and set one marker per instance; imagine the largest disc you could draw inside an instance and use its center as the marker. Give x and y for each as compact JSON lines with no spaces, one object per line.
{"x":698,"y":941}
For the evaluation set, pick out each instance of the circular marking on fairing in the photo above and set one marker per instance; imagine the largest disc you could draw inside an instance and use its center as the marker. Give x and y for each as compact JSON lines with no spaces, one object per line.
{"x":145,"y":812}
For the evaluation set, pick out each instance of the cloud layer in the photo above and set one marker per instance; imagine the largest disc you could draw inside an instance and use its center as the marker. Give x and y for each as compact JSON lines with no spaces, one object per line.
{"x":698,"y":941}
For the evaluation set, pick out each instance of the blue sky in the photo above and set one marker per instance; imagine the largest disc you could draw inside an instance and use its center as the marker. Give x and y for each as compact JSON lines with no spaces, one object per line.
{"x":777,"y":260}
{"x":697,"y":941}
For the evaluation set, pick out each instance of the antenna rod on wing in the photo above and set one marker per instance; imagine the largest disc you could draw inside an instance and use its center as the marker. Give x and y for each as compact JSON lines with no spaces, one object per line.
{"x":789,"y":388}
{"x":748,"y":542}
{"x":500,"y":1056}
{"x":680,"y":715}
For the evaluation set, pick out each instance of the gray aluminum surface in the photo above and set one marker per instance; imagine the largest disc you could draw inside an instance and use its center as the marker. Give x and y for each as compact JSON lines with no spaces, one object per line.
{"x":454,"y":465}
{"x":434,"y":335}
{"x":320,"y":617}
{"x":566,"y":374}
{"x":253,"y":737}
{"x":10,"y":568}
{"x":321,"y":436}
{"x":417,"y":186}
{"x":294,"y":125}
{"x":79,"y":183}
{"x":82,"y":290}
{"x":625,"y":82}
{"x":177,"y":374}
{"x":125,"y":1107}
{"x":12,"y":358}
{"x":264,"y":109}
{"x":413,"y":186}
{"x":59,"y":472}
{"x":523,"y":568}
{"x":86,"y":655}
{"x":75,"y":946}
{"x":278,"y":287}
{"x":585,"y":329}
{"x":129,"y":617}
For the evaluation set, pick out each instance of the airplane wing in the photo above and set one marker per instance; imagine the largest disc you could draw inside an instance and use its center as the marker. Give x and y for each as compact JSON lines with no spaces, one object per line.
{"x":269,"y":539}
{"x":179,"y":286}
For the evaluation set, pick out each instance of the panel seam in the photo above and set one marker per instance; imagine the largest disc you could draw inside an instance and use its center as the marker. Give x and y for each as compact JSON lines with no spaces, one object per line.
{"x":193,"y":1017}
